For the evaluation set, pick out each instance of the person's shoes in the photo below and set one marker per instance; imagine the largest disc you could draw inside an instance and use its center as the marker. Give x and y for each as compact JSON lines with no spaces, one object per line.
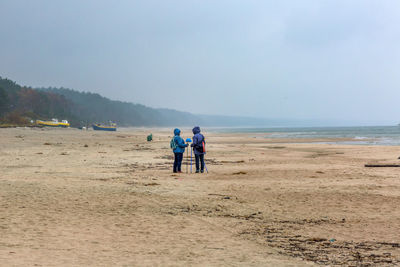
{"x":179,"y":171}
{"x":197,"y":171}
{"x":174,"y":172}
{"x":202,"y":171}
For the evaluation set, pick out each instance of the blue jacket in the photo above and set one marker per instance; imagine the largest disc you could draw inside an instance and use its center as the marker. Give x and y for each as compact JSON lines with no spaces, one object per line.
{"x":180,"y":143}
{"x":198,"y":138}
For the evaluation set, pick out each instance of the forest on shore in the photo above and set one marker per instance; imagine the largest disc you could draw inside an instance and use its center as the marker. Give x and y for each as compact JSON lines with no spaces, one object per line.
{"x":19,"y":105}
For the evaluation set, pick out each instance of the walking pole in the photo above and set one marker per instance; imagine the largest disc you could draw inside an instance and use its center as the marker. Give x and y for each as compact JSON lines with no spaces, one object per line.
{"x":188,"y":140}
{"x":204,"y":150}
{"x":190,"y":159}
{"x":205,"y":166}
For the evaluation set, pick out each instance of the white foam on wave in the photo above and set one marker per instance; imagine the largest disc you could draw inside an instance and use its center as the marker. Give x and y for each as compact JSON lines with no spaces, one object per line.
{"x":361,"y":138}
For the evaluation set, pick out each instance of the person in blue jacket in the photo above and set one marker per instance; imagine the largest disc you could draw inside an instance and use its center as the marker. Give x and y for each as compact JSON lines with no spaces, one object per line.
{"x":178,"y":145}
{"x":199,"y":149}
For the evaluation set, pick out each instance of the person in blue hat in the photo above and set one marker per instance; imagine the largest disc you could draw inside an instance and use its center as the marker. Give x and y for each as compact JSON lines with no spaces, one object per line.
{"x":178,"y":146}
{"x":199,"y":148}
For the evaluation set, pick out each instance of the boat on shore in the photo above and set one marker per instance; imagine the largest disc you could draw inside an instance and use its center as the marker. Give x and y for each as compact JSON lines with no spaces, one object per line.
{"x":99,"y":127}
{"x":53,"y":123}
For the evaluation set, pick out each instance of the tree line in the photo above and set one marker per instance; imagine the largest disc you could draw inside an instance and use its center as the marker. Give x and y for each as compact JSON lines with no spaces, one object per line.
{"x":19,"y":105}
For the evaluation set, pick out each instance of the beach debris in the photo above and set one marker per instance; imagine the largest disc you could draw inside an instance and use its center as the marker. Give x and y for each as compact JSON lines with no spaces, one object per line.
{"x":47,"y":144}
{"x":382,"y":165}
{"x":319,"y":172}
{"x":318,"y":154}
{"x":223,"y":196}
{"x":140,"y":148}
{"x":39,"y":153}
{"x":234,"y":161}
{"x":212,"y":161}
{"x":151,"y":184}
{"x":239,"y":173}
{"x":150,"y":138}
{"x":325,"y":252}
{"x":214,"y":248}
{"x":19,"y":136}
{"x":103,"y":179}
{"x":317,"y":239}
{"x":85,"y":145}
{"x":64,"y":153}
{"x":169,"y":157}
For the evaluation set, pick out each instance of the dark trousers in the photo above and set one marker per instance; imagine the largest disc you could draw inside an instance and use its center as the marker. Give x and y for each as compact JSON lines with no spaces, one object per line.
{"x":199,"y":159}
{"x":178,"y":162}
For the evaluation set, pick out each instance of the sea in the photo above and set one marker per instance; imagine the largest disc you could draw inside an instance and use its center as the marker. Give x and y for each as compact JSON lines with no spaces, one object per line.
{"x":364,"y":135}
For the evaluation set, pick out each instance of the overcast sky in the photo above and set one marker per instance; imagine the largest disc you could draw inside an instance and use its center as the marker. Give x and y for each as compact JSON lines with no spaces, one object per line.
{"x":300,"y":59}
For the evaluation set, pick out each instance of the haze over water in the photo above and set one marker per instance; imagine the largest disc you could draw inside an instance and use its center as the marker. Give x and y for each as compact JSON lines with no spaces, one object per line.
{"x":368,"y":135}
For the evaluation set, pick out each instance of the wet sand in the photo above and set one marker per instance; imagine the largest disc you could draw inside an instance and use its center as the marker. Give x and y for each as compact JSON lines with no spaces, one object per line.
{"x":85,"y":198}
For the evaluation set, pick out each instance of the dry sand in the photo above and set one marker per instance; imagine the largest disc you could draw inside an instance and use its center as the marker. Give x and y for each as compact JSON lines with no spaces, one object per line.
{"x":85,"y":198}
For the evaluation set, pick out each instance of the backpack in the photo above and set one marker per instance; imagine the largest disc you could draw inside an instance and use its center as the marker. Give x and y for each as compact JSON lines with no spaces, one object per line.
{"x":201,"y":147}
{"x":172,"y":144}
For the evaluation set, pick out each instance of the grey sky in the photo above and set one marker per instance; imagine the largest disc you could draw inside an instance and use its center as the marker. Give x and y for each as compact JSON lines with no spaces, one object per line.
{"x":335,"y":60}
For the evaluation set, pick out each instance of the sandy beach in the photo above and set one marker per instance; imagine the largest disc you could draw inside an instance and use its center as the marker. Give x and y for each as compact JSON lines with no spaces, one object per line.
{"x":90,"y":198}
